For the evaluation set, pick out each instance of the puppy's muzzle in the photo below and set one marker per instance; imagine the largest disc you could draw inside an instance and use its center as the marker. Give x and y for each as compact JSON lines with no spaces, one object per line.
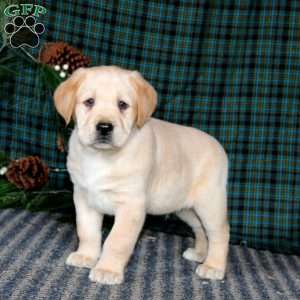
{"x":104,"y":131}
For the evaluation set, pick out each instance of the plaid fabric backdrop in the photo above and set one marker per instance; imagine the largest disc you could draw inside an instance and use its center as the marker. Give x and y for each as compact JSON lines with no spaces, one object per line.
{"x":230,"y":68}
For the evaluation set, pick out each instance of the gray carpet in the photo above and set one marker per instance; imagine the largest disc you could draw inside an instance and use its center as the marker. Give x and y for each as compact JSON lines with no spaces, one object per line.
{"x":33,"y":248}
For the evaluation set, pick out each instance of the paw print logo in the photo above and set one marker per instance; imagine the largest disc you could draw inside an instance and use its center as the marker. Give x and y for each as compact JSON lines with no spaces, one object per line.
{"x":24,"y":32}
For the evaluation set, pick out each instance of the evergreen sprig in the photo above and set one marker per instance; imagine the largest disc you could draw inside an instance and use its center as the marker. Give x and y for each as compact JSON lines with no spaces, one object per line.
{"x":11,"y":196}
{"x":8,"y":64}
{"x":49,"y":76}
{"x":4,"y":20}
{"x":44,"y":199}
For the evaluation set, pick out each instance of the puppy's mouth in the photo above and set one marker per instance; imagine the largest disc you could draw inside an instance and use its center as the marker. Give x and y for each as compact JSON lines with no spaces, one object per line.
{"x":103,"y":142}
{"x":104,"y":139}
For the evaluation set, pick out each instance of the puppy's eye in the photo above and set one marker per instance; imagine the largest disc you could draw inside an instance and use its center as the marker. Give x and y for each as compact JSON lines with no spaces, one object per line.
{"x":89,"y":102}
{"x":122,"y":105}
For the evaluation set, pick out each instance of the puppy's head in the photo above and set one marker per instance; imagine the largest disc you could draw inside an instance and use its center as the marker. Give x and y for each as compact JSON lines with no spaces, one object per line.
{"x":106,"y":104}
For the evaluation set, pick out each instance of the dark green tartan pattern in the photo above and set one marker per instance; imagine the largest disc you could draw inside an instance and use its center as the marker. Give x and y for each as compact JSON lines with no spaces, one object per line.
{"x":230,"y":68}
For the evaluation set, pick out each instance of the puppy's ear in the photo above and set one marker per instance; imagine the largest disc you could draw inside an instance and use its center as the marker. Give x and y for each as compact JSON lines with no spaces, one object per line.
{"x":64,"y":95}
{"x":146,"y":98}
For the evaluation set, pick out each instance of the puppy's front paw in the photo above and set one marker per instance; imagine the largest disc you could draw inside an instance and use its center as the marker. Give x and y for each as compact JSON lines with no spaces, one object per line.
{"x":80,"y":260}
{"x":207,"y":272}
{"x":105,"y":276}
{"x":193,"y":255}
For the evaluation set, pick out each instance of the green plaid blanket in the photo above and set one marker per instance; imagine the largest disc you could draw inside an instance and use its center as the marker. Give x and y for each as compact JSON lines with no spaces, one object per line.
{"x":230,"y":68}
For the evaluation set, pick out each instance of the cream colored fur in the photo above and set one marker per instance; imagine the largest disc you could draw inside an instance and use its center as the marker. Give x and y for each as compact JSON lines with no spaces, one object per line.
{"x":150,"y":166}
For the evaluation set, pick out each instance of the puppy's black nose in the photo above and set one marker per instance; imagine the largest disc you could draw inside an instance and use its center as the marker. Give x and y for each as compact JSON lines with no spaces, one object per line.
{"x":104,"y":128}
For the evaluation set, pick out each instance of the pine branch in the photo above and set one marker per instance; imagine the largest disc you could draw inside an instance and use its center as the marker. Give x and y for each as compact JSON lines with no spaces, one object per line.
{"x":49,"y":77}
{"x":44,"y":199}
{"x":6,"y":71}
{"x":28,"y":56}
{"x":4,"y":20}
{"x":4,"y":159}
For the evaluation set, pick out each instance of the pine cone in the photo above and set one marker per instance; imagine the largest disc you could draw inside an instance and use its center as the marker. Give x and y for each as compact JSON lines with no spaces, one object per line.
{"x":27,"y":173}
{"x":61,"y":54}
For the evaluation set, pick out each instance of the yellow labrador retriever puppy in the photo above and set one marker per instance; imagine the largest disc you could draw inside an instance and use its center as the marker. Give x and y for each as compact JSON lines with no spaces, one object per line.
{"x":125,"y":163}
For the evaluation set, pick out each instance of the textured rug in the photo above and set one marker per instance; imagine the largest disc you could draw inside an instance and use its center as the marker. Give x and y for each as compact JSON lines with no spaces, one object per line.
{"x":34,"y":246}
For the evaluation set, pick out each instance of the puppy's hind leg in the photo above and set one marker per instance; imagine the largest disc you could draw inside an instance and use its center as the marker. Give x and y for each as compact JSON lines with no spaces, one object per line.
{"x":198,"y":253}
{"x":212,"y":210}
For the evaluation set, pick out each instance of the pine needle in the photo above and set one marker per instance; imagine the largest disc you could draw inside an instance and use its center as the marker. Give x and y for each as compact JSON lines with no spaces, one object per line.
{"x":4,"y":20}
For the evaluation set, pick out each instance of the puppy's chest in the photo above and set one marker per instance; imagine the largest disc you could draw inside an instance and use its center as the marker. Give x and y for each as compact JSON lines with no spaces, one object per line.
{"x":98,"y":183}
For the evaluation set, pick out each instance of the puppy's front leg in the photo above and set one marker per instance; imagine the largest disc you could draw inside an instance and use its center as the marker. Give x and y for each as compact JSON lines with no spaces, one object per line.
{"x":119,"y":245}
{"x":89,"y":224}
